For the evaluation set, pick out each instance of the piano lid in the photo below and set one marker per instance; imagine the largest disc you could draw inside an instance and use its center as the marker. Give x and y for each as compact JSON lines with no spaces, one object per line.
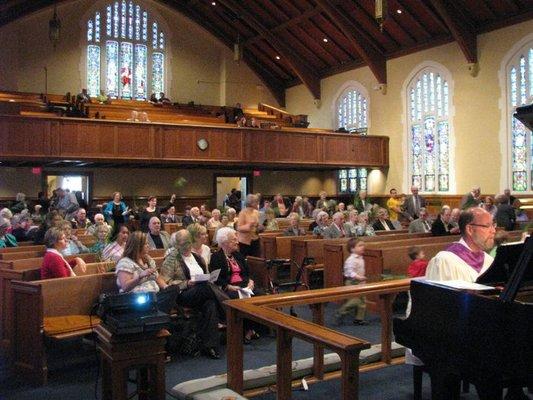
{"x":504,"y":263}
{"x":525,"y":115}
{"x":512,"y":266}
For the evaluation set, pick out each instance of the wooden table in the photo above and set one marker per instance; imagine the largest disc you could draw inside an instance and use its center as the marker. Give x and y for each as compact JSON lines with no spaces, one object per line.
{"x":121,"y":353}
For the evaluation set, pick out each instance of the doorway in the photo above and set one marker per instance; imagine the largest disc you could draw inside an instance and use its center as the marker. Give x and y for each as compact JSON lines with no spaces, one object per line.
{"x":77,"y":184}
{"x":224,"y":184}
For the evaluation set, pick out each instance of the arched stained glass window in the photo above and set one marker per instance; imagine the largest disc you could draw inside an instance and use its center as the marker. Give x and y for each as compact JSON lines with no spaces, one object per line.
{"x":120,"y":59}
{"x":352,"y":115}
{"x":428,"y":105}
{"x":520,"y":93}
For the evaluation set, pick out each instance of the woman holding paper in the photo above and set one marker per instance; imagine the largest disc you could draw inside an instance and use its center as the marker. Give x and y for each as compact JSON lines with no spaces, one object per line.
{"x":186,"y":270}
{"x":234,"y":276}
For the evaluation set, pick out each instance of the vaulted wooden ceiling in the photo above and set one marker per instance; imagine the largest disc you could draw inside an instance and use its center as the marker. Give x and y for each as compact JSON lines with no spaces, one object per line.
{"x":288,"y":42}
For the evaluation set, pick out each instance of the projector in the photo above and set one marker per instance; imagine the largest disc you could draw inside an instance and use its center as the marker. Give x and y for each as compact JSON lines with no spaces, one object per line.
{"x":130,"y":313}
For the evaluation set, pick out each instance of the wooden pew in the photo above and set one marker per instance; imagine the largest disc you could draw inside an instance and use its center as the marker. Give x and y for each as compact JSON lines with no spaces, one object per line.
{"x":172,"y":227}
{"x":34,"y":302}
{"x":19,"y":255}
{"x":29,"y":270}
{"x":22,"y":248}
{"x":335,"y":254}
{"x":302,"y":247}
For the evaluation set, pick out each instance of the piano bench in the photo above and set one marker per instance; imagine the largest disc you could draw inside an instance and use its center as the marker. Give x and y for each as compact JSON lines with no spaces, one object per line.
{"x":418,"y":371}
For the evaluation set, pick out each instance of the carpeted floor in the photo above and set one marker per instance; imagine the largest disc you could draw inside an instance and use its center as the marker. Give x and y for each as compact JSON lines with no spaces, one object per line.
{"x":73,"y":370}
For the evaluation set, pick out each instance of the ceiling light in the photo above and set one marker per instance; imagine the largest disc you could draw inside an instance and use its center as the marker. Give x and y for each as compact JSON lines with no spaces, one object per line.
{"x":278,"y":57}
{"x":213,"y":3}
{"x":325,"y":40}
{"x":399,"y":11}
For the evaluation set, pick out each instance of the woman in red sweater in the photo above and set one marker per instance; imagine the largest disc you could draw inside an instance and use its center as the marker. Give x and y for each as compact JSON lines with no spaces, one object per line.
{"x":54,"y":264}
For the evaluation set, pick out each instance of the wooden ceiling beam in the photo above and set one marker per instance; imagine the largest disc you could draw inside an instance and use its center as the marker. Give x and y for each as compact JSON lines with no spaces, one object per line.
{"x":465,"y":37}
{"x":274,"y":85}
{"x":374,"y":59}
{"x":309,"y":78}
{"x":287,"y":24}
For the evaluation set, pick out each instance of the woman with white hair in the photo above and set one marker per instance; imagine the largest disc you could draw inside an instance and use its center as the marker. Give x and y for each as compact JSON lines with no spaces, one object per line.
{"x":234,"y":274}
{"x":364,"y":228}
{"x":20,"y":204}
{"x":248,"y":227}
{"x":320,"y":224}
{"x":6,"y":239}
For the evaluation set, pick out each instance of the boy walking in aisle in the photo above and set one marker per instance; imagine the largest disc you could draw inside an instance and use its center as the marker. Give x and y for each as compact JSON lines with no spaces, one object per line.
{"x":354,"y":274}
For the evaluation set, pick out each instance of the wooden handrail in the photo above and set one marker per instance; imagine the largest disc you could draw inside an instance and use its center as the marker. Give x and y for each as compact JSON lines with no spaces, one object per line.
{"x":266,"y":310}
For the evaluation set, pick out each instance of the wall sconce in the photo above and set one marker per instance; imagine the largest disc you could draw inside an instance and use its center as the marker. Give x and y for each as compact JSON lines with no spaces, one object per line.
{"x":381,"y":12}
{"x":54,"y":28}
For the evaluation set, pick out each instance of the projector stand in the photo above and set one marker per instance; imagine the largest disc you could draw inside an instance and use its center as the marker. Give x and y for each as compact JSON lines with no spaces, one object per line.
{"x":142,"y":352}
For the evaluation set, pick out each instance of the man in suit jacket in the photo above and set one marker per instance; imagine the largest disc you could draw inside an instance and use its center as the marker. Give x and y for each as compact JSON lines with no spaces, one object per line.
{"x":156,"y":238}
{"x":442,"y":225}
{"x":422,"y":224}
{"x":383,"y":223}
{"x":505,"y":213}
{"x":509,"y":198}
{"x":362,"y":203}
{"x":338,"y":228}
{"x":193,"y":218}
{"x":413,"y":203}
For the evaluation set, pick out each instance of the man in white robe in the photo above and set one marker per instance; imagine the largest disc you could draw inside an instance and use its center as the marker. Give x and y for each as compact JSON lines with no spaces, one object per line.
{"x":463,"y":260}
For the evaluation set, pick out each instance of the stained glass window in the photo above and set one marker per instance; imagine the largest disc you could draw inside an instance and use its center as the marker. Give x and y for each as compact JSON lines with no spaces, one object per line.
{"x":520,"y":93}
{"x":352,"y":180}
{"x":120,"y":66}
{"x":154,"y":35}
{"x":126,"y":69}
{"x":429,"y":136}
{"x":158,"y":73}
{"x":90,"y":30}
{"x":93,"y":70}
{"x":140,"y":72}
{"x":352,"y":110}
{"x":112,"y":68}
{"x":97,"y":27}
{"x":352,"y":115}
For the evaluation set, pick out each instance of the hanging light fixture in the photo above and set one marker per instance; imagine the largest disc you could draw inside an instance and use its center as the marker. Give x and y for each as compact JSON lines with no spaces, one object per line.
{"x":54,"y":28}
{"x":237,"y":50}
{"x":381,"y":12}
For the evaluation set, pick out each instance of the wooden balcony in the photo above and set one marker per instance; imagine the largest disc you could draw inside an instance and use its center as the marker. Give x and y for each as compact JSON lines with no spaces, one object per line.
{"x":25,"y":138}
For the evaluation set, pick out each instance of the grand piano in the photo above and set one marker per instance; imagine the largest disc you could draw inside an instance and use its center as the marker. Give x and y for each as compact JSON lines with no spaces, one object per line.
{"x":484,"y":337}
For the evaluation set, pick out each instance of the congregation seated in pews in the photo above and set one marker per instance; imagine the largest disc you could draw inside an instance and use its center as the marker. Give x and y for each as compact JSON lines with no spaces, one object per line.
{"x":168,"y":255}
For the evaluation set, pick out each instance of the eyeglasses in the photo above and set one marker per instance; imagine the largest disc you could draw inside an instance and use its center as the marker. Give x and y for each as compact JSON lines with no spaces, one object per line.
{"x":493,"y":225}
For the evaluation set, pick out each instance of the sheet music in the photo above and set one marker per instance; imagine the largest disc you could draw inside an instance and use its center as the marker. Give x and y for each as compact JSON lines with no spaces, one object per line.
{"x":245,"y":293}
{"x":212,"y":277}
{"x":458,"y":284}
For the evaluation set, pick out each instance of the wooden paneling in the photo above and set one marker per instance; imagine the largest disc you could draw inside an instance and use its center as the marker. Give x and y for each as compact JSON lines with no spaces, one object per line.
{"x":54,"y":138}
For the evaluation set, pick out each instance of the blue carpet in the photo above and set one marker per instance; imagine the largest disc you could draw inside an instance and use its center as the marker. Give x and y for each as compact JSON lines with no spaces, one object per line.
{"x":73,"y":369}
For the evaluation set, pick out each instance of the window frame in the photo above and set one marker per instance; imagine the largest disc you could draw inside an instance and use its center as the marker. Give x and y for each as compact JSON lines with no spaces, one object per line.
{"x":411,"y":80}
{"x":507,"y":110}
{"x":152,"y":15}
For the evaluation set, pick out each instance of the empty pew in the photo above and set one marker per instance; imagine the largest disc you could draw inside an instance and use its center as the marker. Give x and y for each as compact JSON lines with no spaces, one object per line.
{"x":278,"y":246}
{"x":35,"y":304}
{"x":29,"y":271}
